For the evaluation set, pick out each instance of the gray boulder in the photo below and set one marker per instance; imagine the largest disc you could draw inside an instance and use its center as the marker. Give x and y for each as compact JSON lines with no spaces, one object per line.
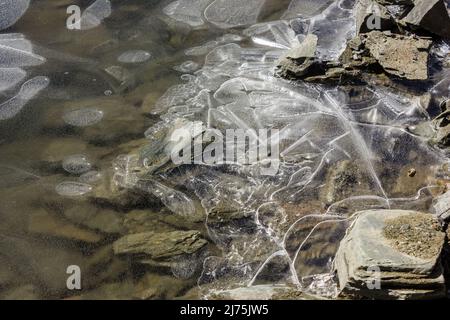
{"x":391,"y":254}
{"x":431,"y":15}
{"x":441,"y":206}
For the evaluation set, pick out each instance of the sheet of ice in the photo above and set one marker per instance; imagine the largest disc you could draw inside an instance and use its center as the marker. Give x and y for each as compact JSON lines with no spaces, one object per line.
{"x":77,"y":164}
{"x":276,"y":34}
{"x":28,"y":91}
{"x":187,"y":11}
{"x":134,"y":56}
{"x":286,"y":227}
{"x":16,"y":51}
{"x":83,"y":117}
{"x":233,"y":13}
{"x":201,"y":50}
{"x":11,"y":11}
{"x":306,"y":8}
{"x":94,"y":15}
{"x":10,"y":77}
{"x":333,"y":28}
{"x":187,"y":67}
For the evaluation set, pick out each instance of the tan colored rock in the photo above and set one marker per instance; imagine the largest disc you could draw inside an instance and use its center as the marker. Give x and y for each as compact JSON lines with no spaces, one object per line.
{"x":160,"y":245}
{"x":401,"y":56}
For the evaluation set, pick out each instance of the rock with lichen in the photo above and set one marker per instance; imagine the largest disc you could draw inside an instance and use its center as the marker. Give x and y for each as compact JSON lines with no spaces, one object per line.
{"x":392,"y":254}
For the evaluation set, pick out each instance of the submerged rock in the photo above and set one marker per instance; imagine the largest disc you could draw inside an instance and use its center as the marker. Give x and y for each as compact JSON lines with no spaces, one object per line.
{"x":392,"y":254}
{"x":160,"y":245}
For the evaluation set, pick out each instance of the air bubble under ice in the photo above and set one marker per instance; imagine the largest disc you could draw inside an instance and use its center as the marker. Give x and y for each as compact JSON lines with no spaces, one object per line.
{"x":134,"y":56}
{"x":83,"y":117}
{"x":77,"y":164}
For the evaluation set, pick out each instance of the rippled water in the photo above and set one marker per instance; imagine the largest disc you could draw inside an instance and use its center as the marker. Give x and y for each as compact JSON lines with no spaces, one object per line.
{"x":84,"y":115}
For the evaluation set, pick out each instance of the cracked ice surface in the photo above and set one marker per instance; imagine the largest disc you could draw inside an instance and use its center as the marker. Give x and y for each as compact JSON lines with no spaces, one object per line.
{"x":283,"y":228}
{"x":16,"y":53}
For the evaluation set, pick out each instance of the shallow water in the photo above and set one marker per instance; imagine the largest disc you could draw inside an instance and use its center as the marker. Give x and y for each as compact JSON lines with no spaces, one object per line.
{"x":86,"y":115}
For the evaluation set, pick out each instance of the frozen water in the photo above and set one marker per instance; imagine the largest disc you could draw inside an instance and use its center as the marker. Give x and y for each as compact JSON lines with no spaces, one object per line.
{"x":11,"y":11}
{"x":90,"y":177}
{"x":276,"y":34}
{"x":10,"y":77}
{"x":134,"y":56}
{"x":174,"y":200}
{"x":187,"y":67}
{"x":28,"y":91}
{"x":72,"y":189}
{"x":77,"y":164}
{"x":16,"y":51}
{"x":83,"y":117}
{"x":94,"y":15}
{"x":306,"y":8}
{"x":233,"y":13}
{"x":187,"y":11}
{"x":285,"y":227}
{"x":333,"y":28}
{"x":202,"y":50}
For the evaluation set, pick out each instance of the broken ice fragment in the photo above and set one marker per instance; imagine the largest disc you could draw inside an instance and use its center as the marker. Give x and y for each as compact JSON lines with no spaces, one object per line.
{"x":306,"y":8}
{"x":187,"y":11}
{"x":29,"y":89}
{"x":76,"y":164}
{"x":9,"y":77}
{"x":83,"y":117}
{"x":187,"y":67}
{"x":94,"y":14}
{"x":276,"y":34}
{"x":233,"y":13}
{"x":11,"y":11}
{"x":134,"y":56}
{"x":201,"y":50}
{"x":73,"y":189}
{"x":175,"y":201}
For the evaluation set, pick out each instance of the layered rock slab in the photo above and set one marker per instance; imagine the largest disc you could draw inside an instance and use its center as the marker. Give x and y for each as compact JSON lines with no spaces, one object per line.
{"x":370,"y":262}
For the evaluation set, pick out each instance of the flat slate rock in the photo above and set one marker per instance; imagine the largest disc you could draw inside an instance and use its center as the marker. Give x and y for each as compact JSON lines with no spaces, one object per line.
{"x":160,"y":245}
{"x":366,"y":255}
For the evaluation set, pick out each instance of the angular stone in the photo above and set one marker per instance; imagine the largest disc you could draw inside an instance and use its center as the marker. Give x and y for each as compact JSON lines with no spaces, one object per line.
{"x":431,"y":15}
{"x":373,"y":251}
{"x":441,"y":206}
{"x":401,"y":56}
{"x":160,"y":245}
